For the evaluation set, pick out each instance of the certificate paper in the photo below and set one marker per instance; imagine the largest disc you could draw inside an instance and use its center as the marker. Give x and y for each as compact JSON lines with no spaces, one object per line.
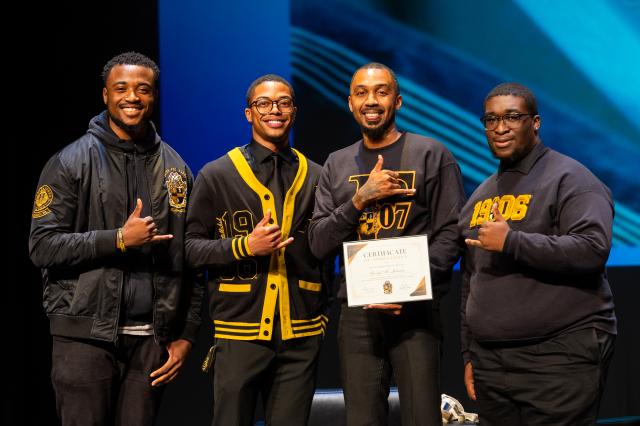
{"x":389,"y":270}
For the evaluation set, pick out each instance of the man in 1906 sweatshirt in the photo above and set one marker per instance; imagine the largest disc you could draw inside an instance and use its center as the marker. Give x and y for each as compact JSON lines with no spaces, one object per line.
{"x":538,"y":323}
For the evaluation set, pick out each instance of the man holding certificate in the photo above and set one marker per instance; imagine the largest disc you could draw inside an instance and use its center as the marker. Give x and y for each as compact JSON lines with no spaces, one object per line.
{"x":389,"y":184}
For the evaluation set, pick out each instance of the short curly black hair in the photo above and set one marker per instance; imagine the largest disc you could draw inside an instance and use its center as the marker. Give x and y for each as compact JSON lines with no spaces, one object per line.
{"x":130,"y":58}
{"x":263,"y":79}
{"x":515,"y":89}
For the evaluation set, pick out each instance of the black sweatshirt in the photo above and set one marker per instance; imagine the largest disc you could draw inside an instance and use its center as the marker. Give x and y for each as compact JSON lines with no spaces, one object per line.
{"x":550,"y":278}
{"x":423,"y":164}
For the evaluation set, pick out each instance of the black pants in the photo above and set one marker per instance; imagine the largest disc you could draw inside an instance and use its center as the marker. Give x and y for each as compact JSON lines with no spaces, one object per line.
{"x":101,"y":384}
{"x":283,"y":372}
{"x":556,"y":382}
{"x":372,"y":347}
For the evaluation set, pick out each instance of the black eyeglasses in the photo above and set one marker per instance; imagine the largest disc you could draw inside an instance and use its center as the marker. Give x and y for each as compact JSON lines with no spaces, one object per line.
{"x":513,"y":120}
{"x":265,"y":105}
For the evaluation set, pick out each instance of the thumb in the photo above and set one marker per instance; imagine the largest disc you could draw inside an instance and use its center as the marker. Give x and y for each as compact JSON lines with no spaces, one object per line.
{"x":138,"y":209}
{"x":378,"y":165}
{"x":497,"y":216}
{"x":265,"y":220}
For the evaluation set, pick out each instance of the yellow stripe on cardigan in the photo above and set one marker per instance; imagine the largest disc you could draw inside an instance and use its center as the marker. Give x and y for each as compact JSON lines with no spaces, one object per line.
{"x":304,"y":327}
{"x":287,"y":223}
{"x":232,"y":337}
{"x":241,"y":248}
{"x":234,"y":249}
{"x":311,"y":286}
{"x":235,"y":288}
{"x":237,"y":324}
{"x":245,"y":243}
{"x":318,"y":318}
{"x":310,"y":333}
{"x":277,"y":268}
{"x":234,"y":330}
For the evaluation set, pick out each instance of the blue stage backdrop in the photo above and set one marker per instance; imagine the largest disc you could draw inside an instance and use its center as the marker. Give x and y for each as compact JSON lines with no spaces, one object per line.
{"x":208,"y":61}
{"x":582,"y":59}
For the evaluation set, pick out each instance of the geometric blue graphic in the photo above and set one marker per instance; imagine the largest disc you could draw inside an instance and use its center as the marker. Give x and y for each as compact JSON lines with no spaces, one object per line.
{"x":444,"y":75}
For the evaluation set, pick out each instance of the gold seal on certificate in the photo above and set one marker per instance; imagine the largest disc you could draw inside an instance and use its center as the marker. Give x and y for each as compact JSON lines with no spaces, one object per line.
{"x":389,"y":270}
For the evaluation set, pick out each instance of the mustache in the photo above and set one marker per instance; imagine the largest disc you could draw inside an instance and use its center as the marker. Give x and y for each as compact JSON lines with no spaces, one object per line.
{"x":135,"y":128}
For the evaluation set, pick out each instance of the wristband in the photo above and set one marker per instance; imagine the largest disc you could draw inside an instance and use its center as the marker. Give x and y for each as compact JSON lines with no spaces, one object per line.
{"x":120,"y":241}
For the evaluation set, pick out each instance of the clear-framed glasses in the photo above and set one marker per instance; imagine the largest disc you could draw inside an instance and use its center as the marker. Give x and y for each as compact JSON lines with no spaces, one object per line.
{"x":513,"y":120}
{"x":265,"y":105}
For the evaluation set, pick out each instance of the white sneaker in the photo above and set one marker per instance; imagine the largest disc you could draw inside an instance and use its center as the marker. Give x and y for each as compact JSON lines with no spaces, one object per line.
{"x":453,"y":411}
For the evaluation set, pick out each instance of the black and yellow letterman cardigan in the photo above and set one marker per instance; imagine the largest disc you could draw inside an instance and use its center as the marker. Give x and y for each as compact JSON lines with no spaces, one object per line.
{"x":245,"y":290}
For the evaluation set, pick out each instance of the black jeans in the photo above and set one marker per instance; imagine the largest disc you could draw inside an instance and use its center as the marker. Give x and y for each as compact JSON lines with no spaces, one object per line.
{"x":555,"y":382}
{"x":102,"y":384}
{"x":373,"y":346}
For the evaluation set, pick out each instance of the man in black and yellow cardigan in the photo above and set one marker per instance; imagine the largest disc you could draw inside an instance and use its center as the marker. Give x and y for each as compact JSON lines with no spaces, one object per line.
{"x":248,"y":227}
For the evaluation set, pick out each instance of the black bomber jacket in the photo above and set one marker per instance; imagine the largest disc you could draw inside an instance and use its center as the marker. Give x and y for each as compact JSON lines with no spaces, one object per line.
{"x":80,"y":203}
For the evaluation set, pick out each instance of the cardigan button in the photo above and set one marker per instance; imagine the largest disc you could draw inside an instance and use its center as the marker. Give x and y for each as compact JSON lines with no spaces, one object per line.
{"x":266,"y":333}
{"x":267,"y":321}
{"x":272,"y":286}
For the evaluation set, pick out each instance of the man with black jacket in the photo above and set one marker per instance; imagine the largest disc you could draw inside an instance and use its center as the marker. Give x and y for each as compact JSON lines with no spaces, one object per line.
{"x":108,"y":232}
{"x":538,"y":321}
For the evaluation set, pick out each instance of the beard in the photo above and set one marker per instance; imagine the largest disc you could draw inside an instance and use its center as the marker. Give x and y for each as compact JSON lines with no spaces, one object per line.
{"x":133,"y":130}
{"x":377,"y":133}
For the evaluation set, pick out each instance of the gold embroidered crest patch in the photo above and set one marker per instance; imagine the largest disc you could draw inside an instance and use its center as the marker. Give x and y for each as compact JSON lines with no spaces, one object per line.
{"x":177,"y":187}
{"x":369,"y":222}
{"x":44,"y":197}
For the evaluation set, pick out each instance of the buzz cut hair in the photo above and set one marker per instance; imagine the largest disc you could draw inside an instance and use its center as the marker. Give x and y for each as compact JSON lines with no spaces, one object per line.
{"x":379,"y":66}
{"x":515,"y":89}
{"x":131,"y":58}
{"x":265,"y":78}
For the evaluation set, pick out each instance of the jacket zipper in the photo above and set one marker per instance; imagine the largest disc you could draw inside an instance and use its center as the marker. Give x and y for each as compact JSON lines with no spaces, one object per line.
{"x":121,"y":284}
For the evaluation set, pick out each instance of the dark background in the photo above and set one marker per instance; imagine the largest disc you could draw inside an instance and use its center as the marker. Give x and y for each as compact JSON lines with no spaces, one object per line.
{"x":54,"y":89}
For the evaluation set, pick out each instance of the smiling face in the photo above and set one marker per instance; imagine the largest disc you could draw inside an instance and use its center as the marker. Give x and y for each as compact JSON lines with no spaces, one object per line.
{"x":129,"y":95}
{"x":271,"y":129}
{"x":507,"y":144}
{"x":373,"y":101}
